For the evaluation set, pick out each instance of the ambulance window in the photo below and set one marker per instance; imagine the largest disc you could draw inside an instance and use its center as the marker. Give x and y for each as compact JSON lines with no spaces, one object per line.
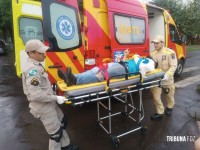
{"x":174,"y":36}
{"x":129,"y":30}
{"x":30,"y":29}
{"x":65,"y":26}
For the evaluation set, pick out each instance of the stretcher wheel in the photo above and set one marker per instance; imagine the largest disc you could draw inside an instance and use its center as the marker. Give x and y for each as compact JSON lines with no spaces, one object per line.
{"x":144,"y":130}
{"x":115,"y":142}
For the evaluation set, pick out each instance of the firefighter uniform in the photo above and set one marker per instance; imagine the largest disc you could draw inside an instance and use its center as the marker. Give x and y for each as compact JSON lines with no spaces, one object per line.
{"x":42,"y":101}
{"x":167,"y":61}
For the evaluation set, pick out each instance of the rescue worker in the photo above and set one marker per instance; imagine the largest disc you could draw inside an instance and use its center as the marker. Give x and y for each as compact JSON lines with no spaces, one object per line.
{"x":167,"y":61}
{"x":42,"y":102}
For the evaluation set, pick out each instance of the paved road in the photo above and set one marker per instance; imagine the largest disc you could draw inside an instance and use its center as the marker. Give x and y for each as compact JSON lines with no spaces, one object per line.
{"x":20,"y":131}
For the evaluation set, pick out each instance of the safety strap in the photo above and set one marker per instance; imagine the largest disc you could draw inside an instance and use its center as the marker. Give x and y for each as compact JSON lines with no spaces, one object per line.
{"x":125,"y":67}
{"x":138,"y":64}
{"x":104,"y":68}
{"x":57,"y":136}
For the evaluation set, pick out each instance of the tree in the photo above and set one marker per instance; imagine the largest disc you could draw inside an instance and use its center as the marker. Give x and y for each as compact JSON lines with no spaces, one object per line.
{"x":186,"y":15}
{"x":5,"y":18}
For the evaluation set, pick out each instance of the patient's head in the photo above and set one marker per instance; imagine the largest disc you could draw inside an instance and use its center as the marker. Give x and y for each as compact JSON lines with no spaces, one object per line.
{"x":146,"y":65}
{"x":155,"y":61}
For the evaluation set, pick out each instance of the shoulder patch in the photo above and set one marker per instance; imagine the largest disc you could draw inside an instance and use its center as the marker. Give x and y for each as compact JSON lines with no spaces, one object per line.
{"x":153,"y":52}
{"x":173,"y":56}
{"x":166,"y":51}
{"x":164,"y":57}
{"x":34,"y":82}
{"x":32,"y":72}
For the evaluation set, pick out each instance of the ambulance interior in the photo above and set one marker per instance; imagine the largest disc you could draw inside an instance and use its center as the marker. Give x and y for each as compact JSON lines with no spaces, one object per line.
{"x":156,"y":24}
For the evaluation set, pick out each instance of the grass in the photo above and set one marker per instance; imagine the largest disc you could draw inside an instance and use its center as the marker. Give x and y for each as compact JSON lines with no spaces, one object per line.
{"x":198,"y":88}
{"x":191,"y":48}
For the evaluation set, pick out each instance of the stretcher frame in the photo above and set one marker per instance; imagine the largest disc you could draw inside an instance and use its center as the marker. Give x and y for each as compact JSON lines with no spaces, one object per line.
{"x":117,"y":94}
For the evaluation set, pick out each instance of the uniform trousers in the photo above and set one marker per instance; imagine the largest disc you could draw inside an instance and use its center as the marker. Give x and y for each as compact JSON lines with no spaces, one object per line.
{"x":157,"y":91}
{"x":51,"y":120}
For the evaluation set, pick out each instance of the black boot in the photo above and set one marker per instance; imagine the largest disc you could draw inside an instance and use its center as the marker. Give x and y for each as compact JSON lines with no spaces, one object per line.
{"x":156,"y":116}
{"x":61,"y":74}
{"x":70,"y":147}
{"x":168,"y":111}
{"x":68,"y":77}
{"x":71,"y":79}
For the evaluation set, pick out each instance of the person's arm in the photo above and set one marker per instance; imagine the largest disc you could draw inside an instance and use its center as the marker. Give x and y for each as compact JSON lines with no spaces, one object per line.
{"x":126,"y":53}
{"x":172,"y":64}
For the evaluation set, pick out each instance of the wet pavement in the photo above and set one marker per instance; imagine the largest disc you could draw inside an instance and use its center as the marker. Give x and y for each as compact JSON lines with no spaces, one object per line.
{"x":19,"y":130}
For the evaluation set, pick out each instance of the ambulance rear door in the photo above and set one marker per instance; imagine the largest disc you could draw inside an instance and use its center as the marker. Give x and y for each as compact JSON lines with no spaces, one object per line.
{"x":61,"y":24}
{"x":27,"y":25}
{"x":174,"y":42}
{"x":62,"y":32}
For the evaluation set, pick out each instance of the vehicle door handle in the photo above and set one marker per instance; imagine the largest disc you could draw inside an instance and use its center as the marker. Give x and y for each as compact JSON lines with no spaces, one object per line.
{"x":55,"y":66}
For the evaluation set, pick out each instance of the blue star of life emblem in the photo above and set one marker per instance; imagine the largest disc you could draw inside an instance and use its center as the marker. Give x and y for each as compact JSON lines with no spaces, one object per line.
{"x":65,"y":27}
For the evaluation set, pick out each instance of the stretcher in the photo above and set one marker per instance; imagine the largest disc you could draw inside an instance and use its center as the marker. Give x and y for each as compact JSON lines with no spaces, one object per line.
{"x":118,"y":89}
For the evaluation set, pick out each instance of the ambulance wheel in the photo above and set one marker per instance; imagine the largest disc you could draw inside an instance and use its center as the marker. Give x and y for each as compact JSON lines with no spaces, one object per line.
{"x":144,"y":130}
{"x":179,"y":69}
{"x":115,"y":142}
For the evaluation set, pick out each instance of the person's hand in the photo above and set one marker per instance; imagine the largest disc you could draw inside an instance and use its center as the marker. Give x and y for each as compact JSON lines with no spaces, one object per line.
{"x":126,"y":52}
{"x":166,"y":77}
{"x":61,"y":99}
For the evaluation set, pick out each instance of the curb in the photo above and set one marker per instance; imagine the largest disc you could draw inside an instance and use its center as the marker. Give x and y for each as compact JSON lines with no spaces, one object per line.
{"x":198,"y":124}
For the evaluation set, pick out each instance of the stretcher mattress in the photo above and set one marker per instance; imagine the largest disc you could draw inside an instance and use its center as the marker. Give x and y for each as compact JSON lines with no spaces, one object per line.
{"x":78,"y":90}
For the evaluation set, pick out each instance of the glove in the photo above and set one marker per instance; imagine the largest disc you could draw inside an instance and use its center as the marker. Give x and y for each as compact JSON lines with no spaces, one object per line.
{"x":166,"y":77}
{"x":61,"y":99}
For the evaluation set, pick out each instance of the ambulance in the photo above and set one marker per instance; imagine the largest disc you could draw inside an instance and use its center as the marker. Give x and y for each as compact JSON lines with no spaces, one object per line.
{"x":86,"y":33}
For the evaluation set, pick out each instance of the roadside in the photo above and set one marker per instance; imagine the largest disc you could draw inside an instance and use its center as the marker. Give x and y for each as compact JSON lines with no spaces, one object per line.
{"x":191,"y":48}
{"x":193,"y":110}
{"x":198,"y":88}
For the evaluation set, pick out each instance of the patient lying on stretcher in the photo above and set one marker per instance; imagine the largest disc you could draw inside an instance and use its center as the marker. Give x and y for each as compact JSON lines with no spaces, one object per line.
{"x":110,"y":70}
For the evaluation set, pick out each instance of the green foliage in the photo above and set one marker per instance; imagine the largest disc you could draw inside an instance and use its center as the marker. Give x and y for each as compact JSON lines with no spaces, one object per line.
{"x":186,"y":15}
{"x":5,"y":16}
{"x":5,"y":12}
{"x":191,"y":48}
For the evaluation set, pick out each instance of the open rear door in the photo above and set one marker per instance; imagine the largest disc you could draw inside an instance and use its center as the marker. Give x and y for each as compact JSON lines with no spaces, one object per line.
{"x":27,"y":25}
{"x":61,"y":24}
{"x":62,"y":32}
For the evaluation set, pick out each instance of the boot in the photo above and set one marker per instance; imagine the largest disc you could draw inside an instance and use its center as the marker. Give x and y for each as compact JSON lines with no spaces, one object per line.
{"x":70,"y":147}
{"x":61,"y":74}
{"x":71,"y":79}
{"x":156,"y":116}
{"x":168,"y":111}
{"x":68,"y":77}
